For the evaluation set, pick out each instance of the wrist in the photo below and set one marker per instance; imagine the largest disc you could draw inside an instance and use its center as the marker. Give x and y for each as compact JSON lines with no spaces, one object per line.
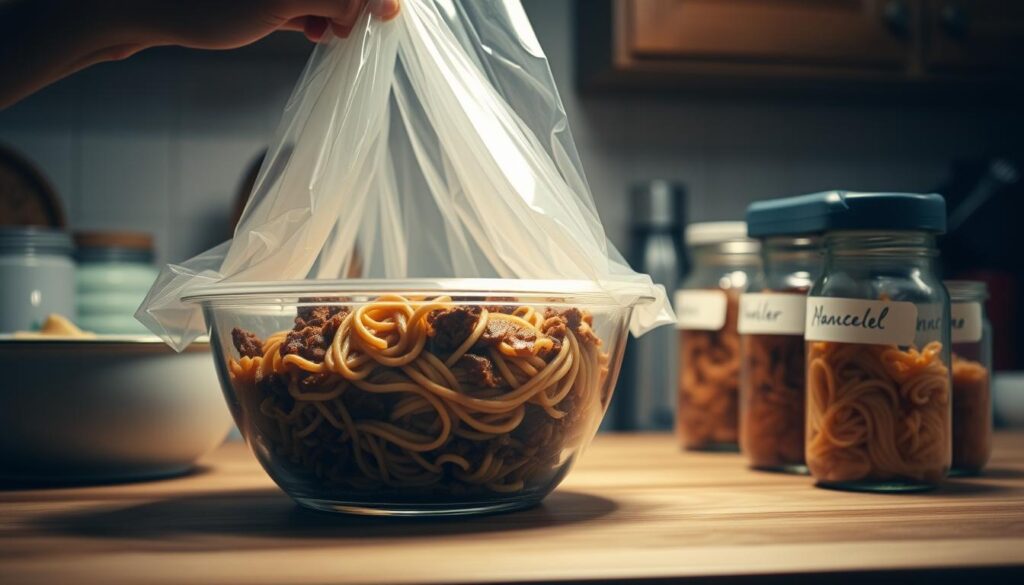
{"x":101,"y":30}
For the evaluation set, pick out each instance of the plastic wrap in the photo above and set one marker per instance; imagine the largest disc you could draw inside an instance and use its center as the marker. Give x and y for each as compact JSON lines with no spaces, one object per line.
{"x":434,"y":145}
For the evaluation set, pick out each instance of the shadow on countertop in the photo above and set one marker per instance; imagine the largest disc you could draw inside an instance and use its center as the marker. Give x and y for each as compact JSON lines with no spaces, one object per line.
{"x":70,"y":479}
{"x":265,"y":518}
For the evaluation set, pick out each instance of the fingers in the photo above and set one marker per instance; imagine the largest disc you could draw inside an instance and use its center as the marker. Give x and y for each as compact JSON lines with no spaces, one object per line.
{"x":315,"y":28}
{"x":342,"y":27}
{"x":293,"y":9}
{"x":298,"y":24}
{"x":312,"y":17}
{"x":385,"y":9}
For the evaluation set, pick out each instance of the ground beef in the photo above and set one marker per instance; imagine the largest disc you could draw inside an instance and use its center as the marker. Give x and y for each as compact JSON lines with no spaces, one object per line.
{"x":246,"y":342}
{"x":316,"y":315}
{"x":313,"y":333}
{"x":276,"y":387}
{"x":520,"y":338}
{"x":555,"y":328}
{"x":476,"y":371}
{"x":556,"y":323}
{"x":448,"y":328}
{"x":536,"y":431}
{"x":544,"y":437}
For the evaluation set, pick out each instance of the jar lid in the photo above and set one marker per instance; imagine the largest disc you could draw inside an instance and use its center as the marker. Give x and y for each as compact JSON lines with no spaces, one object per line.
{"x":34,"y":240}
{"x":106,"y":239}
{"x":715,"y":232}
{"x":847,"y":210}
{"x":112,"y":246}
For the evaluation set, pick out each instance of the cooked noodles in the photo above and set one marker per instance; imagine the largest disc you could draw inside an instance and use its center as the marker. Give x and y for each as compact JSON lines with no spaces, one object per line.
{"x":709,"y":383}
{"x":877,"y":413}
{"x":772,"y":411}
{"x":972,"y":415}
{"x":423,"y":396}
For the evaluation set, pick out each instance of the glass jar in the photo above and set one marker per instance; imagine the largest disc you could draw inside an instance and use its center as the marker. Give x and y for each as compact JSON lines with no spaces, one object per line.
{"x":723,"y":259}
{"x":771,"y":327}
{"x":878,"y":346}
{"x":115,"y":271}
{"x":972,"y":375}
{"x":37,"y":277}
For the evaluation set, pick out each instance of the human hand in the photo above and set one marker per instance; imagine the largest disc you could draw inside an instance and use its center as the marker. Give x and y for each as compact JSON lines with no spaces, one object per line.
{"x":226,"y":24}
{"x":42,"y":41}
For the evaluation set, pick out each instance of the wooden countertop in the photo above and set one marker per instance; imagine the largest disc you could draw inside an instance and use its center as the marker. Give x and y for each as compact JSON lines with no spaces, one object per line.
{"x":635,"y":508}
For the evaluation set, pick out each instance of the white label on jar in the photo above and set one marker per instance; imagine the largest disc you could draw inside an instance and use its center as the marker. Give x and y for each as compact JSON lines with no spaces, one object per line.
{"x":700,"y":309}
{"x":966,"y":325}
{"x":861,"y":321}
{"x":778,"y":313}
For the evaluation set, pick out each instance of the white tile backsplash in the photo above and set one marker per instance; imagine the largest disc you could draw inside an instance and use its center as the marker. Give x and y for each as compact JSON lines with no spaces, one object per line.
{"x":201,"y":213}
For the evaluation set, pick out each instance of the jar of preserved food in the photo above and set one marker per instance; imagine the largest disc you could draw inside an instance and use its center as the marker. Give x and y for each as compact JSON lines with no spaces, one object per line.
{"x":37,"y":277}
{"x":723,"y":259}
{"x":771,"y":327}
{"x":115,"y":271}
{"x":972,"y":374}
{"x":878,"y":343}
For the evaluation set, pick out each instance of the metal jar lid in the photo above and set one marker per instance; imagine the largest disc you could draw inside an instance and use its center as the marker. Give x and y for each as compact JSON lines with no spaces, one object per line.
{"x":32,"y":240}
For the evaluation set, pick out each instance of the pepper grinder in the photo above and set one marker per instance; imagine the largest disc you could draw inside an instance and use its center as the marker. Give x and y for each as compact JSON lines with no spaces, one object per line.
{"x":658,"y":210}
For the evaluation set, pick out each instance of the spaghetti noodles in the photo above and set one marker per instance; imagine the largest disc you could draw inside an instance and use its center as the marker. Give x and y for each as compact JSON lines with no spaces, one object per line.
{"x":877,"y":413}
{"x":772,"y":410}
{"x":709,"y":383}
{"x":423,"y":397}
{"x":972,"y":415}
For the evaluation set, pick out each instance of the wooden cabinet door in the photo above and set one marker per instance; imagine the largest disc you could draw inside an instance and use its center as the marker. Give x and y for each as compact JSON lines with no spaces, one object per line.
{"x":871,"y":34}
{"x":983,"y":36}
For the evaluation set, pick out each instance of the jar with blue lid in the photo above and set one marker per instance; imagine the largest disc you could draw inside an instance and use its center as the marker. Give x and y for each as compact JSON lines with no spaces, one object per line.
{"x":771,"y":327}
{"x":878,"y":410}
{"x":37,"y":277}
{"x":115,"y":271}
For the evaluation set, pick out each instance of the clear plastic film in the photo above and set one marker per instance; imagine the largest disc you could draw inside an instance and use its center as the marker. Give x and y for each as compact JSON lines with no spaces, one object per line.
{"x":434,"y":145}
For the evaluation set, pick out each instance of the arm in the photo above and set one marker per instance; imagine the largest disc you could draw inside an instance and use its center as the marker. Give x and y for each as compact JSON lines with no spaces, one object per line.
{"x":42,"y":41}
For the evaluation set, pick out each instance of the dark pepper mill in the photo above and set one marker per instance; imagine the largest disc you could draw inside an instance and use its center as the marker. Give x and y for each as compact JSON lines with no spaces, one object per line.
{"x":648,"y":389}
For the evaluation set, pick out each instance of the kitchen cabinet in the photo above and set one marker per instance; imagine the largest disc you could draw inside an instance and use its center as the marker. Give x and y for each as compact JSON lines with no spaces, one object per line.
{"x":636,"y":509}
{"x":986,"y":36}
{"x":881,"y":46}
{"x":841,"y":33}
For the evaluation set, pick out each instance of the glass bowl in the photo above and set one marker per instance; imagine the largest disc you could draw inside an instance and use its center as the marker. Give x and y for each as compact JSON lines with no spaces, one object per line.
{"x":416,"y":397}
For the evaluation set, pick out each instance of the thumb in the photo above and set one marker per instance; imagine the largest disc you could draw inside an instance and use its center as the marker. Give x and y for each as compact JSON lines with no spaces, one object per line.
{"x":384,"y":9}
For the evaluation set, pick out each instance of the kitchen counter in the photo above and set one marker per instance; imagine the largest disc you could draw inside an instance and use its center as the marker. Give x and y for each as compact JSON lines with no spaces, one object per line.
{"x":635,"y":508}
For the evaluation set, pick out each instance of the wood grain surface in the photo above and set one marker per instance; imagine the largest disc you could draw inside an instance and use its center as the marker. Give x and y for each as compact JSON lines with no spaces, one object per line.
{"x":636,"y":508}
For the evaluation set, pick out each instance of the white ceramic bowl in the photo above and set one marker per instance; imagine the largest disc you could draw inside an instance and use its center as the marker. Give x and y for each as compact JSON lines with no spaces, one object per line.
{"x":106,"y":409}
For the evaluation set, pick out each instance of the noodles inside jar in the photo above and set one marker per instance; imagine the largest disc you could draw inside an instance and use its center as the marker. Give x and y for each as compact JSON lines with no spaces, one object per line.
{"x":972,"y":415}
{"x":708,"y":408}
{"x":772,"y":410}
{"x":876,"y":413}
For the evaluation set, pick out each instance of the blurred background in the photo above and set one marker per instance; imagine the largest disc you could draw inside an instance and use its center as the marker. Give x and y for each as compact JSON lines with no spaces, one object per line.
{"x":736,"y":100}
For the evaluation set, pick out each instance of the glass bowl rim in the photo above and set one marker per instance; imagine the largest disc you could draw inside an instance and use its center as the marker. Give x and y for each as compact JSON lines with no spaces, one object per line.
{"x":527,"y":291}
